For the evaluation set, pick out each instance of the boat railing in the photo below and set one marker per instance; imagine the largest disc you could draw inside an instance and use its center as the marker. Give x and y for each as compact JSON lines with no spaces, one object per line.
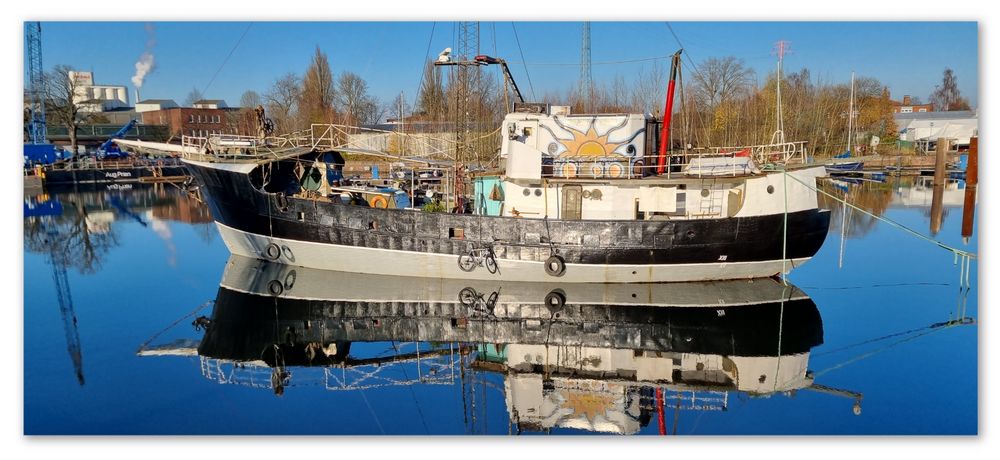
{"x":319,"y":137}
{"x":715,"y":162}
{"x":355,"y":139}
{"x":781,"y":152}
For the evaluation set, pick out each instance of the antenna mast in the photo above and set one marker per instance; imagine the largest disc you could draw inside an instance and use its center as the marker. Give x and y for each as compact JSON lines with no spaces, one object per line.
{"x":468,"y":77}
{"x":781,"y":47}
{"x":586,"y":78}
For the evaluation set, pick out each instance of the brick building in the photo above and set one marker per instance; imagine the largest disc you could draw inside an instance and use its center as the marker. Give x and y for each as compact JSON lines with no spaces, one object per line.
{"x":200,"y":121}
{"x":907,"y":106}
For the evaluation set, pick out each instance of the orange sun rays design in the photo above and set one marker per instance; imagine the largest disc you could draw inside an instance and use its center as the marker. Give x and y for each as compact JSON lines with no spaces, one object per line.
{"x":589,"y":144}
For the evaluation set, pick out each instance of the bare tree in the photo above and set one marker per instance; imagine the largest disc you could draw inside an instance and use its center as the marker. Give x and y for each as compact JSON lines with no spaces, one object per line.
{"x":70,"y":239}
{"x":720,"y":79}
{"x":318,"y":92}
{"x":61,"y":105}
{"x":431,"y":100}
{"x":353,"y":99}
{"x":947,"y":96}
{"x":399,"y":107}
{"x":250,"y":99}
{"x":192,"y":97}
{"x":648,"y":89}
{"x":281,"y":101}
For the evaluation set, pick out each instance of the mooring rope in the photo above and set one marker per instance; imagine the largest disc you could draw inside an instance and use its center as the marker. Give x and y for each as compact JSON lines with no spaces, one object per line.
{"x":784,"y":236}
{"x":956,"y":251}
{"x":196,"y":310}
{"x":931,"y":329}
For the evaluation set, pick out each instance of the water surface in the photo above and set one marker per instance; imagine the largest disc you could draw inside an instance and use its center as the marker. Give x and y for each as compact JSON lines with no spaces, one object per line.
{"x":121,"y":285}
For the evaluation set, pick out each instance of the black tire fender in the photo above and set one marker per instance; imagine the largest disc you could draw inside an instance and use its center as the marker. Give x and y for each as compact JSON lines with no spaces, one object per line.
{"x":555,"y":265}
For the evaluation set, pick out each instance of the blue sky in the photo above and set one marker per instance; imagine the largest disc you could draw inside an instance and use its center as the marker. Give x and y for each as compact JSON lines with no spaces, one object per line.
{"x":909,"y":57}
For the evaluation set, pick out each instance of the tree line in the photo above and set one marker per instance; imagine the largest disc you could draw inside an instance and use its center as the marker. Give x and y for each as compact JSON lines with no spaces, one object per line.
{"x":720,"y":102}
{"x":293,"y":101}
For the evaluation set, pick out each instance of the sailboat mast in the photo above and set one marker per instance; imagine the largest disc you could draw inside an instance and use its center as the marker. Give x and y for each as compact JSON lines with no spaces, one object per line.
{"x":850,"y":120}
{"x":781,"y":47}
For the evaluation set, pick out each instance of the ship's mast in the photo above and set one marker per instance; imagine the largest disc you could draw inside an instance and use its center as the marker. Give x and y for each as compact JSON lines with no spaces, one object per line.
{"x":779,"y":133}
{"x":850,"y":120}
{"x":468,"y":78}
{"x":586,"y":77}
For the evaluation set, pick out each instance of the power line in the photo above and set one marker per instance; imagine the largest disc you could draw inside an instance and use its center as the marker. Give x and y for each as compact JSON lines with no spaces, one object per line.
{"x":530,"y":86}
{"x":578,"y":64}
{"x":687,"y":54}
{"x":423,"y":67}
{"x":224,"y":61}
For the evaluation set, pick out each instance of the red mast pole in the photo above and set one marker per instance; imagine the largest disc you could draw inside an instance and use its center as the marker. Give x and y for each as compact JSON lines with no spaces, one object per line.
{"x":659,"y":411}
{"x":668,"y":110}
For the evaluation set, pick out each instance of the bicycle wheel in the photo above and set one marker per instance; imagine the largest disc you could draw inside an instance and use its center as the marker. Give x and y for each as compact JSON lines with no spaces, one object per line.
{"x":491,"y":264}
{"x":467,"y":296}
{"x":492,"y":302}
{"x":466,"y":262}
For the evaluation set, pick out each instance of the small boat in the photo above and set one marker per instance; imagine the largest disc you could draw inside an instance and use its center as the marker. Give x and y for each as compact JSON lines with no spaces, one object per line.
{"x":844,"y":161}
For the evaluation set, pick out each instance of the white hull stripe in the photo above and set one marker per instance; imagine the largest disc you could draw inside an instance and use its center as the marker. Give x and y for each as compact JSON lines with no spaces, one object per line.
{"x":429,"y":265}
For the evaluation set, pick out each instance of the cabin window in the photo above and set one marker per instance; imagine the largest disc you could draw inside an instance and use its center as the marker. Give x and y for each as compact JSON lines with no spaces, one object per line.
{"x":302,"y":215}
{"x":456,"y":233}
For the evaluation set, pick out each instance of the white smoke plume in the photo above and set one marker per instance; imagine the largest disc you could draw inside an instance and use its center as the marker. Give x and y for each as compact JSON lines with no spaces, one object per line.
{"x":163,"y":231}
{"x":145,"y":65}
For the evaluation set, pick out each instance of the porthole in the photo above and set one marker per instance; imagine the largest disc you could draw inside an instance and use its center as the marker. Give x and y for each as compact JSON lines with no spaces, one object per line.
{"x":704,"y":192}
{"x":630,"y":149}
{"x":553,"y":148}
{"x":770,"y":189}
{"x":538,"y":192}
{"x":527,"y":192}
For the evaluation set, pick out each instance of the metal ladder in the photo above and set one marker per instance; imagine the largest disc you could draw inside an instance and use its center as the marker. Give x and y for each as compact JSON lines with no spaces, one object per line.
{"x":712,"y":204}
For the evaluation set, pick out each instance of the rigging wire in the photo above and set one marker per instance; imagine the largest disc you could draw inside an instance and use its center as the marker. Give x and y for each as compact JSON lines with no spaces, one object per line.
{"x":879,"y":350}
{"x":423,"y":67}
{"x":224,"y":61}
{"x":520,"y":50}
{"x":412,"y":394}
{"x":196,"y":310}
{"x":687,"y":54}
{"x":885,"y":337}
{"x":956,"y":251}
{"x":880,"y":285}
{"x":577,"y":64}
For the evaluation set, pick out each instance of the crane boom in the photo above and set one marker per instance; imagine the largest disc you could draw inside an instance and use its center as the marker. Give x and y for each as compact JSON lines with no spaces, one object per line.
{"x":484,"y":59}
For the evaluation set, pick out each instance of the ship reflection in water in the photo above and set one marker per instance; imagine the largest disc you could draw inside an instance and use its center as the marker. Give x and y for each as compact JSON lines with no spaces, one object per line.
{"x":601,"y":358}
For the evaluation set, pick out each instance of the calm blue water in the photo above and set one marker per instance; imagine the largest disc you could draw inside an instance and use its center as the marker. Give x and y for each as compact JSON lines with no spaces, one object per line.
{"x":140,"y":265}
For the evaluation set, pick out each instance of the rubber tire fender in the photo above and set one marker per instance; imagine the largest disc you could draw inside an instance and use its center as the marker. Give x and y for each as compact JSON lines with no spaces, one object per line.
{"x":555,"y":265}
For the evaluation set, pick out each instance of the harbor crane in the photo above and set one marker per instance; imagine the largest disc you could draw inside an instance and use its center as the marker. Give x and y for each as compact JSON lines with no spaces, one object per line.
{"x":37,"y":149}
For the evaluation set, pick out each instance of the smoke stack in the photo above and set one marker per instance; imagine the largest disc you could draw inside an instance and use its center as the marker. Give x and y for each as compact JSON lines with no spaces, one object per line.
{"x":137,"y":99}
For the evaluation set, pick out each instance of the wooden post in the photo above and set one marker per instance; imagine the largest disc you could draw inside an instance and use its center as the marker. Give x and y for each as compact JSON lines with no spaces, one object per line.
{"x":939,"y":164}
{"x":937,"y":208}
{"x":971,"y":183}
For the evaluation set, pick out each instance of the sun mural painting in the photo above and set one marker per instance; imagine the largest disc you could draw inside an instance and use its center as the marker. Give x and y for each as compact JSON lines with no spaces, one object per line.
{"x":592,"y":154}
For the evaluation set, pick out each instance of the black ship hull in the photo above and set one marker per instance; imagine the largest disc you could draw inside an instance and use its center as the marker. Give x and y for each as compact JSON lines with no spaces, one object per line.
{"x":325,"y":234}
